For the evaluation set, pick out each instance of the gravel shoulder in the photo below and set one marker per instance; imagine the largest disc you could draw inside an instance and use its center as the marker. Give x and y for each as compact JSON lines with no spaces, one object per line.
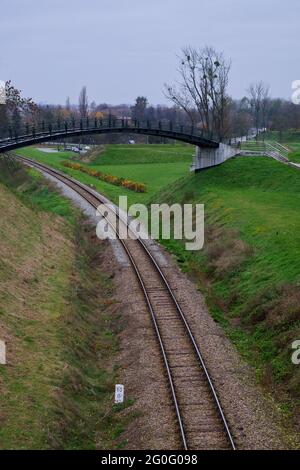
{"x":253,"y":417}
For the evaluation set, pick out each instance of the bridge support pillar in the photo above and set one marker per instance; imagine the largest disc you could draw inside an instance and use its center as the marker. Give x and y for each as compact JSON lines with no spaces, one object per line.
{"x":206,"y":157}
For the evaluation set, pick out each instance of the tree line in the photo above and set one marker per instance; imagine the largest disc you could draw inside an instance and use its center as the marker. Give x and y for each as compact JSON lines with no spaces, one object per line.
{"x":199,"y":98}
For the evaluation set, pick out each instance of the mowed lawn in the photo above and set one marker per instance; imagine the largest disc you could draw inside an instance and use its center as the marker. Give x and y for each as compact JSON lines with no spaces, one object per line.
{"x":157,"y":166}
{"x":257,"y":196}
{"x":294,"y":156}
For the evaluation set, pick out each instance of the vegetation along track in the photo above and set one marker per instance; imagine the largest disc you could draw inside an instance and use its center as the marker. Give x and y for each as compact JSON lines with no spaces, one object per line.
{"x":201,"y":419}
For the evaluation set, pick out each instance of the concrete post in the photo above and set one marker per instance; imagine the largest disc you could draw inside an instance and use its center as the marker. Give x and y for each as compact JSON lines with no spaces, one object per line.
{"x":206,"y":157}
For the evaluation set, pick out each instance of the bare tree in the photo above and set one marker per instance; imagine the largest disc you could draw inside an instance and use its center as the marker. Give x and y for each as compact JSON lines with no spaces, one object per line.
{"x":259,"y":102}
{"x":202,"y":89}
{"x":83,"y":103}
{"x":182,"y":99}
{"x":241,"y":117}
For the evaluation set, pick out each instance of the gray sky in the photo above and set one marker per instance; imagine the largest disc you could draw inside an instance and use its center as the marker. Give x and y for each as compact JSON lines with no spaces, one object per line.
{"x":123,"y":48}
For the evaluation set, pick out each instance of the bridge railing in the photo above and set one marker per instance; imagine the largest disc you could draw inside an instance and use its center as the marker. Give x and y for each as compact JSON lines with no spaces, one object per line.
{"x":44,"y":128}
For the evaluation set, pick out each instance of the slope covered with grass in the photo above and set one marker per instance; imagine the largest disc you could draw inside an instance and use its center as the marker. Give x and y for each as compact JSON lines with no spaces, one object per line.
{"x":294,"y":156}
{"x":250,"y":265}
{"x":249,"y":268}
{"x":55,"y":318}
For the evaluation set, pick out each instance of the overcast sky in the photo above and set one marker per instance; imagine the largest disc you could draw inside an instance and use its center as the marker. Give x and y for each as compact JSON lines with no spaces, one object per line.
{"x":123,"y":48}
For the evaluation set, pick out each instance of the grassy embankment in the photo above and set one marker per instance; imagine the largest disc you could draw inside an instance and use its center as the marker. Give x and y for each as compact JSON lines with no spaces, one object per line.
{"x":250,"y":266}
{"x":294,"y":156}
{"x":59,"y":320}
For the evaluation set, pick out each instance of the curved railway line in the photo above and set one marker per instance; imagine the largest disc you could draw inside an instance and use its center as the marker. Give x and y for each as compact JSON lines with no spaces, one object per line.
{"x":201,"y":419}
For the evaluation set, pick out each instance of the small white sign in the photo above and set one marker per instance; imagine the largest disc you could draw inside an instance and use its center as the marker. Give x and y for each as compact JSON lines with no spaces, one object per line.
{"x":2,"y":352}
{"x":119,"y":393}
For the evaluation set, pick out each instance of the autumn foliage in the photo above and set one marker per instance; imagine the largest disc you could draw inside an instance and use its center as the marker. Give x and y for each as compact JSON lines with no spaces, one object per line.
{"x":125,"y":183}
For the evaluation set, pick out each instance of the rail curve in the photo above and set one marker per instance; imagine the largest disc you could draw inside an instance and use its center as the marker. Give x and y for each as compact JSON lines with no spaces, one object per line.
{"x":201,"y":419}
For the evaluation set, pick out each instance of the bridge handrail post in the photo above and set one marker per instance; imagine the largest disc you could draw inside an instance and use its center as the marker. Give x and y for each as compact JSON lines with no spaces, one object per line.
{"x":87,"y":122}
{"x":81,"y":125}
{"x":10,"y":132}
{"x":66,"y":126}
{"x":95,"y":123}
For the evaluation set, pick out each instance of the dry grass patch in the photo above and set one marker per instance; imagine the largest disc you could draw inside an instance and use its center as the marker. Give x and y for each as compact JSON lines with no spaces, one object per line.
{"x":224,"y":250}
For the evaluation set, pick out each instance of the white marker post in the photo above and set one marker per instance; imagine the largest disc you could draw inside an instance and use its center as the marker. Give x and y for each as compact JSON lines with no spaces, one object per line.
{"x":119,"y":393}
{"x":2,"y":352}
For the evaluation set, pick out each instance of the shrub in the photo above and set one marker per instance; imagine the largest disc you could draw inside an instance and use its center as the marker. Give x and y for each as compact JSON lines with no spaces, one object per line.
{"x":111,"y":179}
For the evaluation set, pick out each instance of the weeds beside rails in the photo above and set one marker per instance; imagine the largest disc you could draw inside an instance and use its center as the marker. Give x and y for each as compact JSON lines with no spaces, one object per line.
{"x":132,"y":185}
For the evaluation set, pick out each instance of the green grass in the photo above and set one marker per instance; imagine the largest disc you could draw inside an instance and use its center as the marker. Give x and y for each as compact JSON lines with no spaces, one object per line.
{"x":260,"y":198}
{"x":287,"y":136}
{"x":249,"y":268}
{"x":295,"y":146}
{"x":136,"y":154}
{"x":250,"y":265}
{"x":156,"y":166}
{"x":56,"y":391}
{"x":294,"y":156}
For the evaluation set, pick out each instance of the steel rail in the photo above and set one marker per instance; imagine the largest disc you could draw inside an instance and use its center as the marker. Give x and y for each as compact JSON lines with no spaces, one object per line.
{"x":62,"y":177}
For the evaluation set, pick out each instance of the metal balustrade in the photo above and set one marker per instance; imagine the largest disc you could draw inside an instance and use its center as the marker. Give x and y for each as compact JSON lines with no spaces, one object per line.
{"x":41,"y":131}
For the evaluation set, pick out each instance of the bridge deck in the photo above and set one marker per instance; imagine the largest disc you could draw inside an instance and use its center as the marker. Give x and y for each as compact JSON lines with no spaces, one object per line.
{"x":43,"y":132}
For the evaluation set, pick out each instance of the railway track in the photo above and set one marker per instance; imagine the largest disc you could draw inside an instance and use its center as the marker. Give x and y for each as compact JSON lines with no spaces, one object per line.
{"x":201,"y":420}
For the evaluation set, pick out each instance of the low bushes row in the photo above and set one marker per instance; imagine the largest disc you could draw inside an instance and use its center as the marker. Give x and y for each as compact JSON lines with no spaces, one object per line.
{"x":132,"y":185}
